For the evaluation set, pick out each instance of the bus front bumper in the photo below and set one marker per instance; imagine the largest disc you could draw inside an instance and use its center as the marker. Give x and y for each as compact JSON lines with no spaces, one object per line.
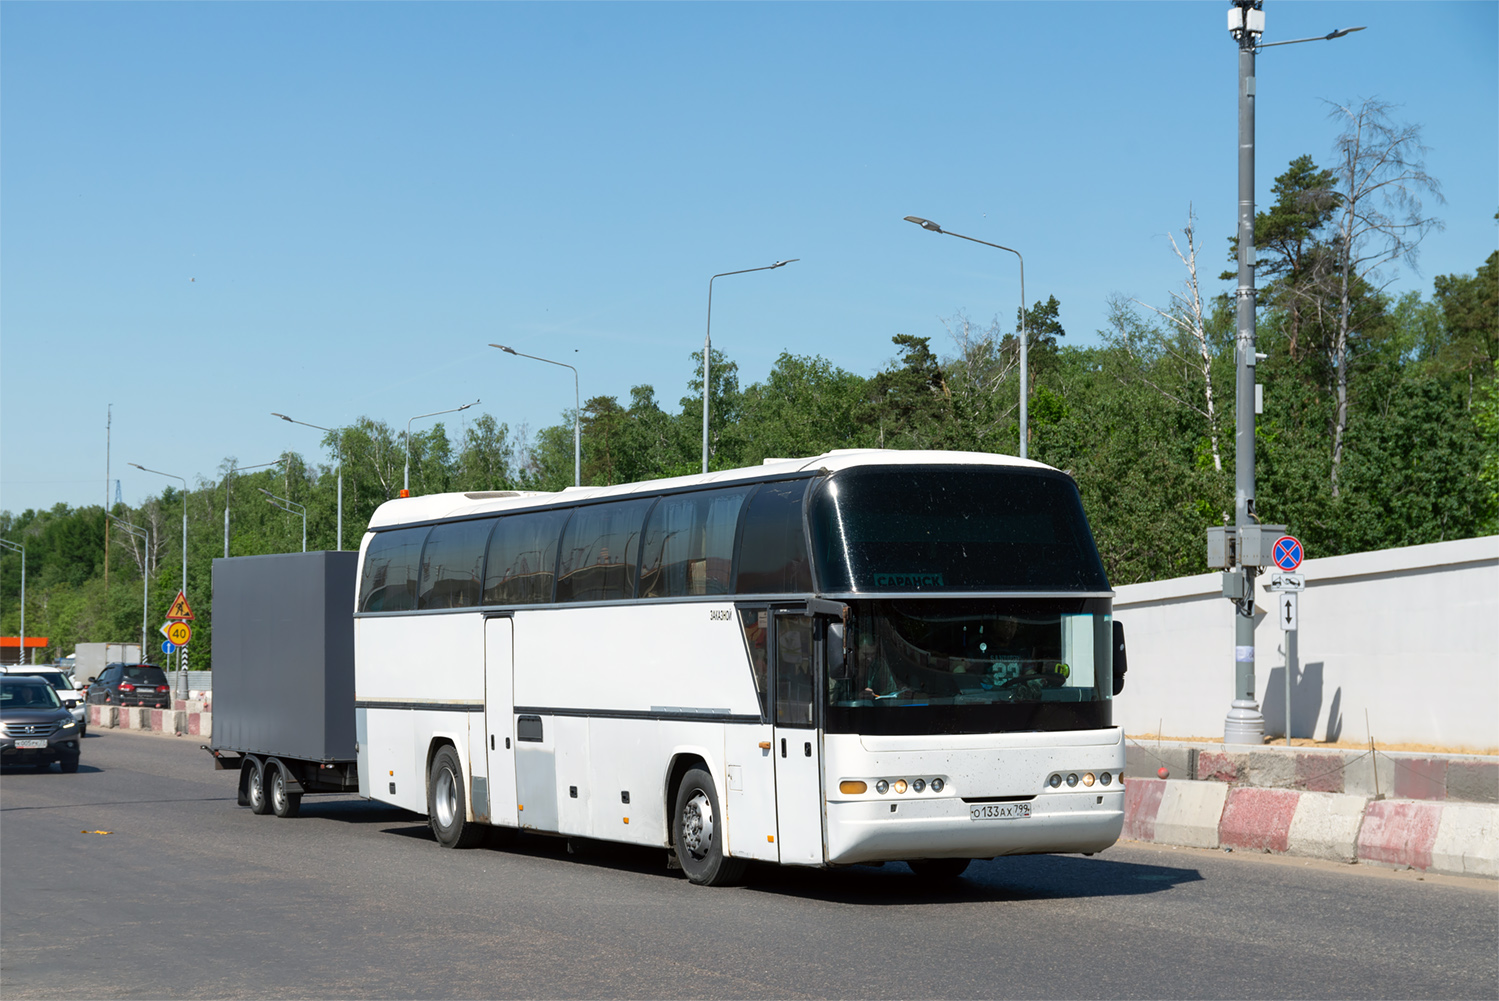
{"x":883,"y":831}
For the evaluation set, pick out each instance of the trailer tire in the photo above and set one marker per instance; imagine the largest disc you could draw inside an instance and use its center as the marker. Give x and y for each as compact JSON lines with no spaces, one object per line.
{"x":697,"y":831}
{"x":447,"y":806}
{"x":284,"y":802}
{"x":259,"y":803}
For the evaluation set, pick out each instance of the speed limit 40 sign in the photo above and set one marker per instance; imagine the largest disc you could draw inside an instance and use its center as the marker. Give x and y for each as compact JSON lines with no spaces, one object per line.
{"x":179,"y":633}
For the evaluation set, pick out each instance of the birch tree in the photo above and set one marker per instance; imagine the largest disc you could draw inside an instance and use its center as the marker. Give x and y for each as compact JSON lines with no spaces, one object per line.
{"x":1186,"y":348}
{"x":1381,"y":176}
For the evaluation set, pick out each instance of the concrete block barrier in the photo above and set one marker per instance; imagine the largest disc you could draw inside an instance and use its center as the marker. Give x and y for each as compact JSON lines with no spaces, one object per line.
{"x":103,"y":716}
{"x":1190,"y":813}
{"x":1258,"y":819}
{"x":1467,"y":840}
{"x":1142,"y":802}
{"x":1399,"y":832}
{"x":1326,"y":826}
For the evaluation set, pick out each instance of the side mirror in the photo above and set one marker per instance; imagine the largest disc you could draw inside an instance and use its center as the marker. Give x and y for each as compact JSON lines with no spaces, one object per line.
{"x":837,"y":650}
{"x":1121,"y":663}
{"x":92,"y":680}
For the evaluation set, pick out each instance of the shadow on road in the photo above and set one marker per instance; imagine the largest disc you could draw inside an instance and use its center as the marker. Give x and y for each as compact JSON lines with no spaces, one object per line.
{"x":1019,"y":878}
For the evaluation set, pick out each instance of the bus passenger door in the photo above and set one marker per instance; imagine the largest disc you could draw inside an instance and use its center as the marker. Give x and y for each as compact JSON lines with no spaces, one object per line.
{"x":499,"y":715}
{"x":796,"y":748}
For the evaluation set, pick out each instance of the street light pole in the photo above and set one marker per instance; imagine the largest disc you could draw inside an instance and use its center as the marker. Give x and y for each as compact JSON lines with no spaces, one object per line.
{"x":18,"y":548}
{"x":577,"y":410}
{"x":1245,"y":724}
{"x":927,"y":224}
{"x":182,"y":669}
{"x":232,"y":470}
{"x":339,"y":448}
{"x":406,"y":476}
{"x":184,"y":519}
{"x":145,"y":537}
{"x":708,"y":341}
{"x":287,"y":505}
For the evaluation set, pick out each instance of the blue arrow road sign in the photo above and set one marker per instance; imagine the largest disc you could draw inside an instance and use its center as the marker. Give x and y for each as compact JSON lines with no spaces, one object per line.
{"x":1287,"y":552}
{"x":168,"y":647}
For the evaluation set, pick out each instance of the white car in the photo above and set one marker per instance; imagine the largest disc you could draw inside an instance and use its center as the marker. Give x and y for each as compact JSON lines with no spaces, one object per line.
{"x":74,"y":699}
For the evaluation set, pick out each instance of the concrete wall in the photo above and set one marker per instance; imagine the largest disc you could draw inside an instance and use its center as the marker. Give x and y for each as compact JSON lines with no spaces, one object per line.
{"x":1410,"y":636}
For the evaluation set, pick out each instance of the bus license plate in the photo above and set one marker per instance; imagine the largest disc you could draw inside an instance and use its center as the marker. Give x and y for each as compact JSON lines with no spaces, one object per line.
{"x":998,"y":811}
{"x":31,"y":743}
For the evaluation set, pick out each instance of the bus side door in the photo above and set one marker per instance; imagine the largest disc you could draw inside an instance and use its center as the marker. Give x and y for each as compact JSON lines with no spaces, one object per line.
{"x":796,"y":748}
{"x":499,"y":717}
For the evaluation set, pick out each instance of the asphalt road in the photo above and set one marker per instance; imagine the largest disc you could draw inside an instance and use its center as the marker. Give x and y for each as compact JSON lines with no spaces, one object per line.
{"x":189,"y":895}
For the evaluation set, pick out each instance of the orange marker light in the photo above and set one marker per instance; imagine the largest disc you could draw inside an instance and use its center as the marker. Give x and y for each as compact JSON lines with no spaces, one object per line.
{"x":852,"y":787}
{"x":771,"y":838}
{"x":627,"y":820}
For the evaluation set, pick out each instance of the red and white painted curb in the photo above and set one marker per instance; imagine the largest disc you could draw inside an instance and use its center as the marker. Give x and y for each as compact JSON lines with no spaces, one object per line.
{"x":1447,"y":837}
{"x":188,"y":718}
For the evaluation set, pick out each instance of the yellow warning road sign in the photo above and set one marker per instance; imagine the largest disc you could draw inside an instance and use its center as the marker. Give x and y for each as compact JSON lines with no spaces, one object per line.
{"x":179,"y":633}
{"x":179,"y":609}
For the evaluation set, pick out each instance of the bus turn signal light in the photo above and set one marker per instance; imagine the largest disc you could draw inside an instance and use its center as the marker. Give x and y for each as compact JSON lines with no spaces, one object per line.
{"x":852,"y":787}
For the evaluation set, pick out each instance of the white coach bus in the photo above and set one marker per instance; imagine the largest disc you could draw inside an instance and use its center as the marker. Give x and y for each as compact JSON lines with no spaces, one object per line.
{"x":864,"y":656}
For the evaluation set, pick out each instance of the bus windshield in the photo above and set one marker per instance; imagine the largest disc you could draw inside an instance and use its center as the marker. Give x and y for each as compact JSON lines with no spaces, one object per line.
{"x":952,"y":528}
{"x":973,"y":665}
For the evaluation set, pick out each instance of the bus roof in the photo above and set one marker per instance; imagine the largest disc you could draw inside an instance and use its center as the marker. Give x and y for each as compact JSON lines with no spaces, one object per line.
{"x":439,"y":507}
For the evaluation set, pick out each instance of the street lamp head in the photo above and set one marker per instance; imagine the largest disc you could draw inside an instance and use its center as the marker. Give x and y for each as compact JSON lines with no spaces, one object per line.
{"x":465,"y":406}
{"x":282,"y":416}
{"x":924,"y":223}
{"x":508,"y":351}
{"x":782,"y":264}
{"x":1343,"y":31}
{"x":137,"y":465}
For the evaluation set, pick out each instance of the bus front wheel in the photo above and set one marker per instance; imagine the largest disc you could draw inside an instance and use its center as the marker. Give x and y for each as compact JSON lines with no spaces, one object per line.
{"x":447,"y":806}
{"x":697,"y":833}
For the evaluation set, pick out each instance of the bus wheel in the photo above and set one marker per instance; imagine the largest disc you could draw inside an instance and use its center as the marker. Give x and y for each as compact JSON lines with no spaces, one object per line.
{"x":259,"y":804}
{"x":939,"y":869}
{"x":697,"y":833}
{"x":446,"y":805}
{"x":283,"y":802}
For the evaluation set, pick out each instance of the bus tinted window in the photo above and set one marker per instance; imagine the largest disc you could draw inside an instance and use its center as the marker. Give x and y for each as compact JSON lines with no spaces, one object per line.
{"x":952,"y":528}
{"x":689,"y":544}
{"x":773,"y":552}
{"x":390,"y":571}
{"x":453,"y":565}
{"x":599,"y":549}
{"x":523,"y":559}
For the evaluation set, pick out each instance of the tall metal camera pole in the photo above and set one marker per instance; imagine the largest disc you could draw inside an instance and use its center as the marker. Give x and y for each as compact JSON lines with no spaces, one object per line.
{"x":1245,"y":723}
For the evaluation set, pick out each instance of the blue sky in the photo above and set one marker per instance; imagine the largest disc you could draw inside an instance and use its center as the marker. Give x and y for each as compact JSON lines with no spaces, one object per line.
{"x":209,"y":212}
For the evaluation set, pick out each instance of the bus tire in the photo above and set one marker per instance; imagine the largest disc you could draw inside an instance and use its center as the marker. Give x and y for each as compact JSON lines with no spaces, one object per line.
{"x":259,"y":803}
{"x":697,"y":831}
{"x":447,"y":805}
{"x":939,"y":870}
{"x":284,"y":803}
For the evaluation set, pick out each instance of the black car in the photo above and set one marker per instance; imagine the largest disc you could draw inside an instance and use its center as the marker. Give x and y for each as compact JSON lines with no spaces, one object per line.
{"x":131,"y":685}
{"x":35,"y":727}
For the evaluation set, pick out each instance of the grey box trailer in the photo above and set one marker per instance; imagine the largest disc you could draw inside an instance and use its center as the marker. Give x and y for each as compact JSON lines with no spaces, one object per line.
{"x":283,"y":659}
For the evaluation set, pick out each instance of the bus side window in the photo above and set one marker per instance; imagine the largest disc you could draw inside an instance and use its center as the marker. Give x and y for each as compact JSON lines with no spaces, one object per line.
{"x":599,"y":550}
{"x":391,"y":569}
{"x":773,"y":550}
{"x":453,"y":564}
{"x":794,"y":670}
{"x":523,"y":558}
{"x":755,"y":622}
{"x":689,"y":544}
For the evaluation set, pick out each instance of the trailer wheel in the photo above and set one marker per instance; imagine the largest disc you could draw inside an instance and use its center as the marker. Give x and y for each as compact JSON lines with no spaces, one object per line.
{"x":284,"y":803}
{"x":255,"y":786}
{"x":939,"y":870}
{"x":447,"y":805}
{"x":697,"y":831}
